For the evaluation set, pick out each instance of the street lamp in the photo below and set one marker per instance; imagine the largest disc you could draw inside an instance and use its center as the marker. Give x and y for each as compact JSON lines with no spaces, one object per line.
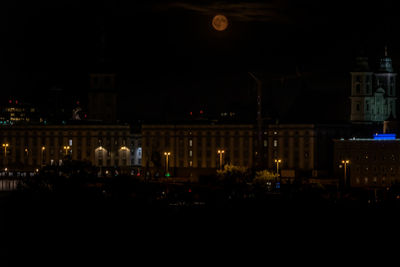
{"x":43,"y":149}
{"x":220,"y":152}
{"x":345,"y":162}
{"x":66,"y":148}
{"x":277,"y":161}
{"x":5,"y":152}
{"x":167,"y":154}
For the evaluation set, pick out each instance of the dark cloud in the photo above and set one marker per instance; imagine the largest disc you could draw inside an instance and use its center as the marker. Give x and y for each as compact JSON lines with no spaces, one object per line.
{"x":274,"y":11}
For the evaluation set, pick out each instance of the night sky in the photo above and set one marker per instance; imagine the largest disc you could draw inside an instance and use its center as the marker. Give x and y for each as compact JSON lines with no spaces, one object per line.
{"x":169,"y":60}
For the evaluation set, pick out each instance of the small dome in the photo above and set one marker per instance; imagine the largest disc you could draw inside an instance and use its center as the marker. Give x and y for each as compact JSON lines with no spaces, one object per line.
{"x":380,"y":90}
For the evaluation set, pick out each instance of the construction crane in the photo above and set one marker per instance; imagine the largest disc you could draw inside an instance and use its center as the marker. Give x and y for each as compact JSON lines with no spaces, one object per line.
{"x":259,"y":120}
{"x":260,"y":161}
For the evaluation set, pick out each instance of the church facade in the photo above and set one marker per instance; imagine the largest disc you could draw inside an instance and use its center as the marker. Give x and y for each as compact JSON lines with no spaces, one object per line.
{"x":373,"y":94}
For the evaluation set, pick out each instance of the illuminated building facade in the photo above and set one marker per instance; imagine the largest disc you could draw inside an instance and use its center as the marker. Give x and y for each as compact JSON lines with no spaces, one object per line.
{"x":136,"y":149}
{"x":373,"y":162}
{"x":32,"y":146}
{"x":373,"y":94}
{"x":304,"y":148}
{"x":194,"y":148}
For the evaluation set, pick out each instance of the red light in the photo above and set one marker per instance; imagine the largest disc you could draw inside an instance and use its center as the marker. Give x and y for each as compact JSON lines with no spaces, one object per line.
{"x":9,"y":101}
{"x":191,"y":113}
{"x":85,"y":116}
{"x":190,"y":190}
{"x":16,"y":101}
{"x":77,"y":102}
{"x":138,"y":174}
{"x":201,"y":111}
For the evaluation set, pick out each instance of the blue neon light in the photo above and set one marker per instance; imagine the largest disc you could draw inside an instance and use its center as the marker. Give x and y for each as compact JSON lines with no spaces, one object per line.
{"x":384,"y":136}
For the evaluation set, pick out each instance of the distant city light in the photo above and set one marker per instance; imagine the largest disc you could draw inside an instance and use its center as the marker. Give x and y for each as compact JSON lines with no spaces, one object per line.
{"x":384,"y":136}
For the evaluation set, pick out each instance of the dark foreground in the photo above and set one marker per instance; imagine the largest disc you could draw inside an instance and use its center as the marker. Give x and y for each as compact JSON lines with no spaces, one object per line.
{"x":44,"y":227}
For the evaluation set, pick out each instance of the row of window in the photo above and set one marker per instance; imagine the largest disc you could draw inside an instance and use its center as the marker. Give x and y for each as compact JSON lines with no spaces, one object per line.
{"x":376,"y":157}
{"x":373,"y":180}
{"x":377,"y":169}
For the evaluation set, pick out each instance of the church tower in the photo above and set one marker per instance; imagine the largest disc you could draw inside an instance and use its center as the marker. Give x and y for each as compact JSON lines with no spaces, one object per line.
{"x":373,"y":95}
{"x":385,"y":80}
{"x":102,"y":95}
{"x":361,"y":91}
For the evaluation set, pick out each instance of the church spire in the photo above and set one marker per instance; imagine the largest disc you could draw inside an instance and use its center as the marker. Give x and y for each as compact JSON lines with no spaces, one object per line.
{"x":385,"y":64}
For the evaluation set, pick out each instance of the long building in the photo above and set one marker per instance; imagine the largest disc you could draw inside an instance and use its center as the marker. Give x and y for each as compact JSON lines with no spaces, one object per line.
{"x":370,"y":162}
{"x":306,"y":149}
{"x":27,"y":147}
{"x":193,"y":148}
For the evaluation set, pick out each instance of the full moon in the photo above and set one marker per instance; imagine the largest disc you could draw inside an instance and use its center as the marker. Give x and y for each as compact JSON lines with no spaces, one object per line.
{"x":220,"y":22}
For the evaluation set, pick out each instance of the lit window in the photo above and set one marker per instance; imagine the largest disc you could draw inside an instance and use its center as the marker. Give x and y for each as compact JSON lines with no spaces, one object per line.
{"x":190,"y":163}
{"x":190,"y":153}
{"x":190,"y":143}
{"x":70,"y":142}
{"x":275,"y":143}
{"x":265,"y":143}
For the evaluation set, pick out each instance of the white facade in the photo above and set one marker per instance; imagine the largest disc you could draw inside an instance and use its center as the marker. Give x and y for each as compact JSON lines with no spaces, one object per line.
{"x":373,"y":95}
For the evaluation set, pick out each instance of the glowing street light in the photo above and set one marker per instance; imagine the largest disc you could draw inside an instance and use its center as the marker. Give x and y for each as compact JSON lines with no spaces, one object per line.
{"x":167,"y":154}
{"x":277,"y":161}
{"x":220,"y":152}
{"x":43,"y":149}
{"x":5,"y":152}
{"x":345,"y":162}
{"x":66,"y":148}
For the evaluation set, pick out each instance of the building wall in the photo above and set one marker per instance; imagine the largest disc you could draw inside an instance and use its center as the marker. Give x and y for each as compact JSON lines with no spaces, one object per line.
{"x":136,"y":150}
{"x":294,"y":144}
{"x":194,"y":148}
{"x":102,"y":145}
{"x":306,"y":148}
{"x":373,"y":96}
{"x":372,"y":163}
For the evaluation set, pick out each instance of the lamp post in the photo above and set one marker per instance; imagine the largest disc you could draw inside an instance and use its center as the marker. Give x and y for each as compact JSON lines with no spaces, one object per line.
{"x":66,"y":148}
{"x":167,"y":154}
{"x":220,"y":152}
{"x":100,"y":162}
{"x":43,"y":149}
{"x":345,"y":162}
{"x":277,"y":161}
{"x":5,"y":152}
